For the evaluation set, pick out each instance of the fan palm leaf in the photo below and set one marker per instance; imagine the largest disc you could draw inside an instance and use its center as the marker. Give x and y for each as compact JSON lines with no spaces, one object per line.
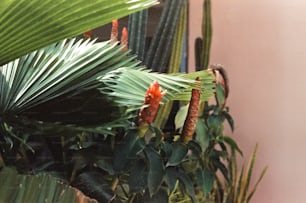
{"x":59,"y":84}
{"x":68,"y":67}
{"x":128,"y":86}
{"x":28,"y":25}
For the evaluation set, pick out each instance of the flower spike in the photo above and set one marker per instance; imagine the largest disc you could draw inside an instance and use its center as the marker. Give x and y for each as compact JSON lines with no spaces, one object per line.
{"x":152,"y":99}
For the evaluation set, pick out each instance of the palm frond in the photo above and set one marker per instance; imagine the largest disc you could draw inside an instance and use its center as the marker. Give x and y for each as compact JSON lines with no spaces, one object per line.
{"x":38,"y":188}
{"x":127,"y":86}
{"x":68,"y":67}
{"x":32,"y":24}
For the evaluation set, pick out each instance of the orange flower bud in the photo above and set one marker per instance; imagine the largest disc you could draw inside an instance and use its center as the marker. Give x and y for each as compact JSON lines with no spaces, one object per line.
{"x":152,"y":99}
{"x":114,"y":32}
{"x":124,"y":39}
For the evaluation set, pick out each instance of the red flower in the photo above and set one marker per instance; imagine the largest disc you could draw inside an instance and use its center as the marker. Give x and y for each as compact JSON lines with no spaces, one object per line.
{"x":114,"y":32}
{"x":124,"y":39}
{"x":152,"y":99}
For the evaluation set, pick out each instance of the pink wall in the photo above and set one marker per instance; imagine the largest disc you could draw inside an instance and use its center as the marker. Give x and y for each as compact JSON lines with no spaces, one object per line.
{"x":262,"y":44}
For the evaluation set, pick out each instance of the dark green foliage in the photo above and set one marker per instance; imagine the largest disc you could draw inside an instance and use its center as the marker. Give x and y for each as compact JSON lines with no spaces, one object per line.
{"x":156,"y":170}
{"x":178,"y":153}
{"x":205,"y":179}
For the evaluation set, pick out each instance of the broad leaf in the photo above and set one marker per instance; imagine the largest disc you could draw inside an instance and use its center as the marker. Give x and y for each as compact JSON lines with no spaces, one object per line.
{"x":171,"y":178}
{"x":32,"y":24}
{"x":205,"y":180}
{"x":232,"y":143}
{"x":179,"y":152}
{"x":156,"y":170}
{"x":202,"y":134}
{"x":229,"y":119}
{"x":127,"y":150}
{"x":220,"y":94}
{"x":180,"y":116}
{"x":188,"y":185}
{"x":138,"y":178}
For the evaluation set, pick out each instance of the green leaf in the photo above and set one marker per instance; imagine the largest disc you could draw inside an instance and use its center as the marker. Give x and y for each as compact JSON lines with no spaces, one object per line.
{"x":32,"y":24}
{"x":222,"y":169}
{"x":188,"y":185}
{"x":38,"y":188}
{"x":179,"y":152}
{"x":156,"y":170}
{"x":166,"y":148}
{"x":202,"y":135}
{"x":106,"y":165}
{"x":205,"y":179}
{"x":138,"y":178}
{"x":220,"y":94}
{"x":229,"y":119}
{"x":232,"y":143}
{"x":215,"y":125}
{"x":196,"y":149}
{"x":127,"y":150}
{"x":180,"y":116}
{"x":171,"y":178}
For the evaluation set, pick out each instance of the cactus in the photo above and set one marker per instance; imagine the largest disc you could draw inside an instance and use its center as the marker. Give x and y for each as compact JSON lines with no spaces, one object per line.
{"x":137,"y":30}
{"x":202,"y":45}
{"x":160,"y":49}
{"x":175,"y":61}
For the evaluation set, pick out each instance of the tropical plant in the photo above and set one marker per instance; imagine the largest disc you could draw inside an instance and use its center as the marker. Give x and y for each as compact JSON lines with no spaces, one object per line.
{"x":84,"y":111}
{"x":60,"y":101}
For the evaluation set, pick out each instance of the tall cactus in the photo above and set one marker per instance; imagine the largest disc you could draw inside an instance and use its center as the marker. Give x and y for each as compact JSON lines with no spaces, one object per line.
{"x":137,"y":27}
{"x":160,"y":49}
{"x":175,"y":61}
{"x":202,"y":45}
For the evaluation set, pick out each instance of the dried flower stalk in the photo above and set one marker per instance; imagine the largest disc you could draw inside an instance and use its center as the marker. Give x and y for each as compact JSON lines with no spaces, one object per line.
{"x":192,"y":115}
